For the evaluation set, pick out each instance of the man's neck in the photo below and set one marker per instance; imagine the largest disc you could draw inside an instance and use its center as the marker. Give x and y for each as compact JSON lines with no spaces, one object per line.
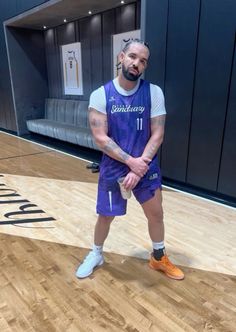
{"x":125,"y":84}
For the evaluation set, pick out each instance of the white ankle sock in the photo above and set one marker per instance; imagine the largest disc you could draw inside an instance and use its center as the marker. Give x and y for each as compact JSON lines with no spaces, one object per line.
{"x":158,"y":245}
{"x":97,"y":249}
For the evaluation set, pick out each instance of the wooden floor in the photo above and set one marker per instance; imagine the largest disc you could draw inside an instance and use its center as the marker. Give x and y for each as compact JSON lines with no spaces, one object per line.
{"x":47,"y":216}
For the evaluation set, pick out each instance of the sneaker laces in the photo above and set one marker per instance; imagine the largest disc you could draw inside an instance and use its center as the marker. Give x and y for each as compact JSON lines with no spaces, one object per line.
{"x":168,"y":263}
{"x":89,"y":256}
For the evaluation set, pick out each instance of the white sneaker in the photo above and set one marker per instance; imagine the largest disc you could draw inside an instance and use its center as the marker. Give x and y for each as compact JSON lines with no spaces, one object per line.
{"x":91,"y":261}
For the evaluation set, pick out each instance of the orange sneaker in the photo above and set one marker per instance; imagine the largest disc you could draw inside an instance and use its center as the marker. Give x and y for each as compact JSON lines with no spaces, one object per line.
{"x":167,"y":267}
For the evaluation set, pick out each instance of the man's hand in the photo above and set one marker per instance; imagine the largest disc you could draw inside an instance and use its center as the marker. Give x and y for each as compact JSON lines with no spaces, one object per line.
{"x":138,"y":165}
{"x":131,"y":180}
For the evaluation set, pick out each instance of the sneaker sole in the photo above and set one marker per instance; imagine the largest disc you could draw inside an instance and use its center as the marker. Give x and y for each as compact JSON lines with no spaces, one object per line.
{"x":166,"y":273}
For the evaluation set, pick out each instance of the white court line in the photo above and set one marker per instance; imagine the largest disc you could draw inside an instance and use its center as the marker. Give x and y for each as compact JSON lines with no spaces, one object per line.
{"x":174,"y":189}
{"x":45,"y":146}
{"x":196,"y":196}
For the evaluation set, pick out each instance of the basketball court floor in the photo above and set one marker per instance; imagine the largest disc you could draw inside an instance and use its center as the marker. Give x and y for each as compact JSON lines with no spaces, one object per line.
{"x":47,"y":217}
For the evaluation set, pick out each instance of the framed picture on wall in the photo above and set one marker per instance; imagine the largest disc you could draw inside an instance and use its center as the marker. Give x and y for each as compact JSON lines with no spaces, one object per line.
{"x":119,"y":40}
{"x":72,"y":69}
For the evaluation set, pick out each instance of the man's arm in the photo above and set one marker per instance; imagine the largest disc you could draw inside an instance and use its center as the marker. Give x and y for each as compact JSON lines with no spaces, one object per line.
{"x":157,"y":135}
{"x":98,"y":124}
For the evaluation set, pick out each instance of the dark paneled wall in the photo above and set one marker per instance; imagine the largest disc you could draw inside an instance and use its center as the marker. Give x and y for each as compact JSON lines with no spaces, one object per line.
{"x":211,"y":92}
{"x":28,"y":74}
{"x":9,"y":9}
{"x":154,"y":31}
{"x":53,"y":63}
{"x":226,"y":183}
{"x":95,"y":34}
{"x":179,"y":83}
{"x":108,"y":29}
{"x":194,"y":63}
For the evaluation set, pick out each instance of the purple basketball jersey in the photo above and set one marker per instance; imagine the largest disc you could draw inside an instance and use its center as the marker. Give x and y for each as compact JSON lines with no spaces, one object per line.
{"x":129,"y":126}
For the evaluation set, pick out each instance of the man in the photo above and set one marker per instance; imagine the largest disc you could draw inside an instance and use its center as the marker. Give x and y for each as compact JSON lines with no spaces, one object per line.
{"x":127,"y":118}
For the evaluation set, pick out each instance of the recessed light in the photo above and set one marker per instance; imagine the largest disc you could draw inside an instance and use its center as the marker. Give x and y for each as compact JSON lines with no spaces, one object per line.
{"x":65,"y":20}
{"x":90,"y":12}
{"x":44,"y":27}
{"x":122,"y":2}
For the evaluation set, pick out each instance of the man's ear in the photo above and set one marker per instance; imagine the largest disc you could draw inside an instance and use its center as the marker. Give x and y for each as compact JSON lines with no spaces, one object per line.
{"x":121,"y":56}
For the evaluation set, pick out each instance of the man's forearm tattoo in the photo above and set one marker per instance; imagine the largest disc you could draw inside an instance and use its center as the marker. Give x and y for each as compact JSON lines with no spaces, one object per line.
{"x":112,"y":146}
{"x":151,"y":151}
{"x":97,"y":123}
{"x":124,"y":156}
{"x":159,"y":121}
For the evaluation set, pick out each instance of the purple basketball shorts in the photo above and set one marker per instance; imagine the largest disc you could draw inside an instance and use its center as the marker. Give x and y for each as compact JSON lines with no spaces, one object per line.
{"x":111,"y":203}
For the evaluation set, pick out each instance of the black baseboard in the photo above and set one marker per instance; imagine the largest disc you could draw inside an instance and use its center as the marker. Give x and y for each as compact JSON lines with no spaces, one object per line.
{"x":9,"y":131}
{"x":211,"y":195}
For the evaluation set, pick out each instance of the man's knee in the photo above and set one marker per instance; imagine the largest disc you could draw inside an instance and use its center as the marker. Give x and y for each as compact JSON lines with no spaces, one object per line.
{"x":107,"y":219}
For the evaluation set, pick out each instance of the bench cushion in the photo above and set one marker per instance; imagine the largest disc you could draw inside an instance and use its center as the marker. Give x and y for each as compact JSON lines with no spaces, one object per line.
{"x":65,"y":119}
{"x":63,"y":131}
{"x":67,"y":111}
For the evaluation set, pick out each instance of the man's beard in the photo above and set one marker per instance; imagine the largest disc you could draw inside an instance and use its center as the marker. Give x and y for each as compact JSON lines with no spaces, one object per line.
{"x":130,"y":76}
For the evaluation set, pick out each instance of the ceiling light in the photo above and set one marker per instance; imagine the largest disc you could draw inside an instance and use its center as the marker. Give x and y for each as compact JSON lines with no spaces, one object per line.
{"x":90,"y":12}
{"x":122,"y":2}
{"x":44,"y":27}
{"x":65,"y":20}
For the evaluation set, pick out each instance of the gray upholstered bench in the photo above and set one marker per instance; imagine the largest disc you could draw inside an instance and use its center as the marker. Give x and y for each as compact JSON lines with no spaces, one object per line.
{"x":66,"y":120}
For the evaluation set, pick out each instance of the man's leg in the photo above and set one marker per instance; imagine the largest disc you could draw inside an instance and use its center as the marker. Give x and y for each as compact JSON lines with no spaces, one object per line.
{"x":102,"y":229}
{"x":108,"y":202}
{"x":159,"y":261}
{"x":95,"y":257}
{"x":154,"y":213}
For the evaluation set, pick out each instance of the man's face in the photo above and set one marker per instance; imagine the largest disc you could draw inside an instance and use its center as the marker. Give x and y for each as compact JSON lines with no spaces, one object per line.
{"x":134,"y":61}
